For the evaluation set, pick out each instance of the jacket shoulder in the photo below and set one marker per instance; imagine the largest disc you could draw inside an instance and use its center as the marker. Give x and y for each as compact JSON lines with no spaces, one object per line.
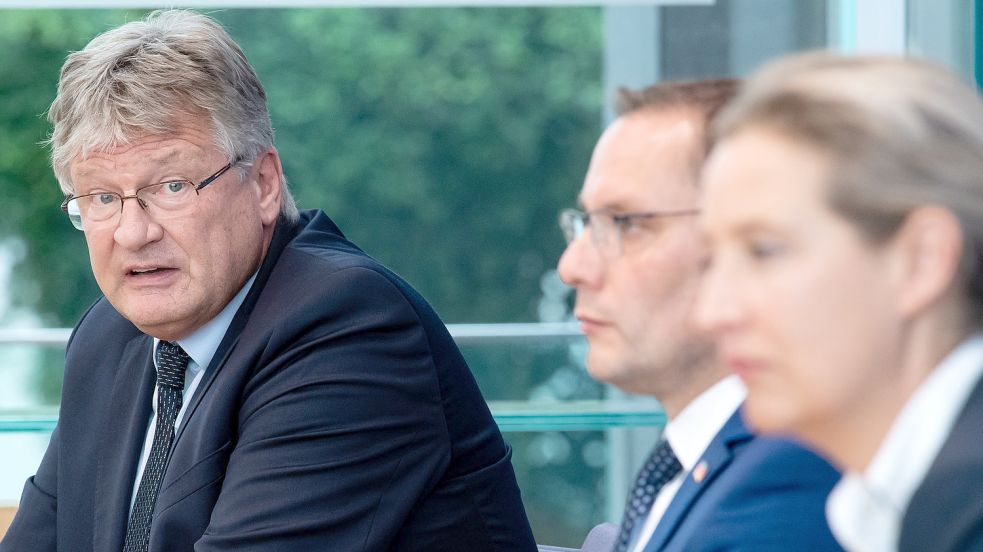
{"x":771,"y":498}
{"x":946,"y":511}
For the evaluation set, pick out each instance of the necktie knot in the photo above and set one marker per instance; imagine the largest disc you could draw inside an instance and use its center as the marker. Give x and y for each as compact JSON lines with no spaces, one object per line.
{"x":172,"y":362}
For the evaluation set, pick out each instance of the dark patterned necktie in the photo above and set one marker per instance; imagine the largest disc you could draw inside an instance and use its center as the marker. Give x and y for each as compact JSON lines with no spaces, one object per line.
{"x":661,"y":466}
{"x":172,"y":362}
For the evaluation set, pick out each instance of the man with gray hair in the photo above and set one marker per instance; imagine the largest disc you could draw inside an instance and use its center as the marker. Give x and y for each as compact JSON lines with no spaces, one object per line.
{"x":250,"y":380}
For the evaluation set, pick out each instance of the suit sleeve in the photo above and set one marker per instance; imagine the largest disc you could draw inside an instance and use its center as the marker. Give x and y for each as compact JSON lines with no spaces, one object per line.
{"x":341,"y":428}
{"x":34,"y":528}
{"x":779,"y":507}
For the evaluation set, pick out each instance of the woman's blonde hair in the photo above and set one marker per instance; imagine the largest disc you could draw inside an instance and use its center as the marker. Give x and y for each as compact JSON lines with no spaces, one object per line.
{"x":900,"y":133}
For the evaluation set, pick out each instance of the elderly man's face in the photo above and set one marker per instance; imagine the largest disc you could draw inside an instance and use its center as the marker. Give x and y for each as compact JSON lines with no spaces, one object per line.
{"x":633,"y":306}
{"x":169,"y":277}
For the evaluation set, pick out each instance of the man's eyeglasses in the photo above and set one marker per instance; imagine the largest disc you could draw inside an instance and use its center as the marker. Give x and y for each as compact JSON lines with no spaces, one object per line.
{"x":607,"y":228}
{"x":161,"y":201}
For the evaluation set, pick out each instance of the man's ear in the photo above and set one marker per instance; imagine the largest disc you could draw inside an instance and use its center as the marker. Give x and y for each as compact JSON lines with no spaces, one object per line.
{"x":929,"y":247}
{"x":269,"y":181}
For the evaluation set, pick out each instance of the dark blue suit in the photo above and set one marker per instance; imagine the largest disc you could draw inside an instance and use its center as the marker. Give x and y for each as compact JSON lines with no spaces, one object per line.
{"x":749,"y":493}
{"x":336,"y":415}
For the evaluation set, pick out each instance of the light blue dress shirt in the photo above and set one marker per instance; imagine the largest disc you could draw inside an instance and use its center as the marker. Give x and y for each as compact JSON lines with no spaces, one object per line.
{"x":200,"y":346}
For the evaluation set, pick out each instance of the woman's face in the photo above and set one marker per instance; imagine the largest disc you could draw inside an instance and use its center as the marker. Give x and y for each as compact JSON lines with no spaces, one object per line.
{"x":804,"y":309}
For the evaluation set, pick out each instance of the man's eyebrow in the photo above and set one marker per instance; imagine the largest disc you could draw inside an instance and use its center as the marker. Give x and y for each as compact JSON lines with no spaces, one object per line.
{"x":610,"y":206}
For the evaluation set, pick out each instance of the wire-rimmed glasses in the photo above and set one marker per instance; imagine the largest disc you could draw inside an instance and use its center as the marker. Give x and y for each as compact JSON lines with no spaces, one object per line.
{"x":608,"y":228}
{"x":161,"y":201}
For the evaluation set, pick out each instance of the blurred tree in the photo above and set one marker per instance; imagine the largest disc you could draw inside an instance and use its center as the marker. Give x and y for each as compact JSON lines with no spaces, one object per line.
{"x":443,"y":141}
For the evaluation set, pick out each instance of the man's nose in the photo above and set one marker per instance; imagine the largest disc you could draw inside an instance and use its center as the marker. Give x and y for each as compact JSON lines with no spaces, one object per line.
{"x":135,"y":227}
{"x":581,"y":264}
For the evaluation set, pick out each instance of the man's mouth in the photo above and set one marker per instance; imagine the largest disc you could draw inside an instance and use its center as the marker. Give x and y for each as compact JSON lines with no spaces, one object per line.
{"x":148,"y":270}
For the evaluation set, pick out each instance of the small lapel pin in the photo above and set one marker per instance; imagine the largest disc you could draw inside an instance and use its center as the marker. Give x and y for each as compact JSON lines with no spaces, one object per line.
{"x":700,"y":471}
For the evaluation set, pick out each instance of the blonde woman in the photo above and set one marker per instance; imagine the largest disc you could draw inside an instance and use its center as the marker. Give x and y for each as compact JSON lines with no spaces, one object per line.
{"x":844,"y":211}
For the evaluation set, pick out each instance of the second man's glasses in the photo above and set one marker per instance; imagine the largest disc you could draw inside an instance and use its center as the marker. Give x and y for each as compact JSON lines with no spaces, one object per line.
{"x":607,"y":228}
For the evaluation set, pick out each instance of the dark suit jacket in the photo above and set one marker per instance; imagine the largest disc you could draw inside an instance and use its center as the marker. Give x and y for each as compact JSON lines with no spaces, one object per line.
{"x":755,"y":494}
{"x":946,"y":511}
{"x":337,"y":415}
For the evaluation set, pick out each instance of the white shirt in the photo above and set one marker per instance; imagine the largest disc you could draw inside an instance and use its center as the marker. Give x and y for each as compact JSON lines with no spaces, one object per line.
{"x":865,"y":510}
{"x":200,"y":346}
{"x":690,"y":434}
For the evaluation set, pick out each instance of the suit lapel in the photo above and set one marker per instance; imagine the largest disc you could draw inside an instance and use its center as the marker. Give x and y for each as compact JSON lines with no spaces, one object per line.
{"x":282,"y":235}
{"x":929,"y":505}
{"x":716,"y":458}
{"x":130,"y":403}
{"x":122,"y":441}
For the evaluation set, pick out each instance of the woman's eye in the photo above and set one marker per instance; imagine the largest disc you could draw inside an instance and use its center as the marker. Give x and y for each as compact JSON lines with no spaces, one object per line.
{"x":765,"y":249}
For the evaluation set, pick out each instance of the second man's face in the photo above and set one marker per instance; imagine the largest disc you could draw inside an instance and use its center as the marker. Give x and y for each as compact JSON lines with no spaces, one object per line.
{"x":633,"y":306}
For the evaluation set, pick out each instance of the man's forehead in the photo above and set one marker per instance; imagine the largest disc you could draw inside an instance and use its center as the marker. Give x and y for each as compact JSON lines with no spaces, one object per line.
{"x":659,"y":127}
{"x":152,"y":151}
{"x":643,"y":161}
{"x":183,"y":135}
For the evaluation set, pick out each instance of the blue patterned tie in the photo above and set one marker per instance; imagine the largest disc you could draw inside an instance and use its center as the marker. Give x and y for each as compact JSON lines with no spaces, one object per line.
{"x":661,"y":466}
{"x":172,"y":362}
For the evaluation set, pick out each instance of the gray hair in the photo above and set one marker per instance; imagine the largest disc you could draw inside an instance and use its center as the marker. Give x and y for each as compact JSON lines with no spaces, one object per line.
{"x":900,"y":133}
{"x":141,"y":78}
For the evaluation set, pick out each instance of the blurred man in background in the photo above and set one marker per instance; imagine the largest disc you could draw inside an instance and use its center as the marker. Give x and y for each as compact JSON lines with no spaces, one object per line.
{"x":634,"y":256}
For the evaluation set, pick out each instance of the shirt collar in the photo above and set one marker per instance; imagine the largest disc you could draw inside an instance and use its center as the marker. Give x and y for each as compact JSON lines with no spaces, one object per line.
{"x":691,"y":431}
{"x":865,"y":510}
{"x":203,"y":342}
